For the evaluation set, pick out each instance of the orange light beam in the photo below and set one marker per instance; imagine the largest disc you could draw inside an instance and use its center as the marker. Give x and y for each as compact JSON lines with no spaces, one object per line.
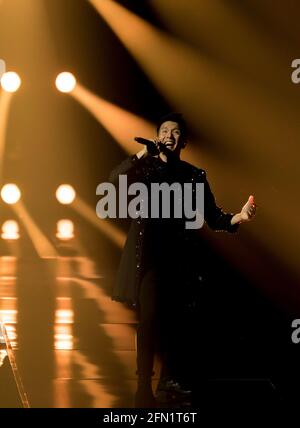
{"x":128,"y":126}
{"x":116,"y":235}
{"x":5,"y":102}
{"x":43,"y":247}
{"x":122,"y":125}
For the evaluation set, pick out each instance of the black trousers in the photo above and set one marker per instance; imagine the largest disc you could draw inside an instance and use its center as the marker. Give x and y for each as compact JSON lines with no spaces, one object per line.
{"x":162,"y":324}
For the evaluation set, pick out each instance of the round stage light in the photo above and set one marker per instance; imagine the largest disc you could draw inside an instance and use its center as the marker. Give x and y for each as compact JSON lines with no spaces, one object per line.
{"x":10,"y":193}
{"x":65,"y":229}
{"x":10,"y":81}
{"x":65,"y":194}
{"x":65,"y":82}
{"x":10,"y":230}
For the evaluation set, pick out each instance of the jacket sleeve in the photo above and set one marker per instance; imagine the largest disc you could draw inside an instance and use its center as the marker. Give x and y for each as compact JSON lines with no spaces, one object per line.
{"x":130,"y":167}
{"x":214,"y":216}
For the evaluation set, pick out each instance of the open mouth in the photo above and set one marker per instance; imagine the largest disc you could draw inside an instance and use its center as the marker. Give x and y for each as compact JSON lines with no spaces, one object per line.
{"x":169,"y":143}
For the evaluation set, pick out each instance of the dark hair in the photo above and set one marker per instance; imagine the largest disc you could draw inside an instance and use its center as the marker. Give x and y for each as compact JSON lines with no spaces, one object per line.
{"x":174,"y":117}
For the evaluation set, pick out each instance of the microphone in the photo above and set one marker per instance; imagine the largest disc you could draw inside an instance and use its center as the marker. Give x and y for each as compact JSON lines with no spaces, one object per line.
{"x":155,"y":149}
{"x":151,"y":146}
{"x":144,"y":141}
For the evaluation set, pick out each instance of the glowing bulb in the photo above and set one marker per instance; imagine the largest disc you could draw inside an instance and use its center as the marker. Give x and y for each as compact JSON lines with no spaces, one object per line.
{"x":65,"y":229}
{"x":65,"y":82}
{"x":63,"y":337}
{"x":65,"y":194}
{"x":10,"y":81}
{"x":10,"y":230}
{"x":10,"y":193}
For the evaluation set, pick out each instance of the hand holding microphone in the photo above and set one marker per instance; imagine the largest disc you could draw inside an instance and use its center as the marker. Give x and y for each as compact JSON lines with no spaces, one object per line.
{"x":154,"y":148}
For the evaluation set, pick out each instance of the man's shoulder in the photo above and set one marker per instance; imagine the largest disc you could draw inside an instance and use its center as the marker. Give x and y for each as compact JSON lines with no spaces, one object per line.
{"x":192,"y":169}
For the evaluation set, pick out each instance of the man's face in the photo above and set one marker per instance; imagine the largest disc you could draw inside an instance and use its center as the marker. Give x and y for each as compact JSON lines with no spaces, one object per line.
{"x":170,"y":134}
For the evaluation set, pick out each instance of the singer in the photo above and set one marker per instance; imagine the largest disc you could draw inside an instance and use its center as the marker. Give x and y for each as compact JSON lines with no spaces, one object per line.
{"x":159,"y":263}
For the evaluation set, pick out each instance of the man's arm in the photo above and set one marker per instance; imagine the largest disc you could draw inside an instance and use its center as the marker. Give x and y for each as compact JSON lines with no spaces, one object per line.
{"x":218,"y":220}
{"x":129,"y":167}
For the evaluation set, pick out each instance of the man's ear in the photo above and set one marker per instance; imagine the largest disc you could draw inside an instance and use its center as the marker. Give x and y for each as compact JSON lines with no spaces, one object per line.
{"x":183,"y":144}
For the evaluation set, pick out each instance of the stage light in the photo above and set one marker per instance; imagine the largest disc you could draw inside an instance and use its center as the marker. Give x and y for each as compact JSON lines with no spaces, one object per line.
{"x":10,"y":81}
{"x":63,"y":337}
{"x":10,"y":193}
{"x":65,"y":194}
{"x":65,"y":82}
{"x":10,"y":230}
{"x":9,"y":316}
{"x":64,"y":319}
{"x":65,"y":229}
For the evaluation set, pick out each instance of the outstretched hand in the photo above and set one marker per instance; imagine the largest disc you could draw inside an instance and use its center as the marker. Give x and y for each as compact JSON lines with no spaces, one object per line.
{"x":149,"y":149}
{"x":249,"y":209}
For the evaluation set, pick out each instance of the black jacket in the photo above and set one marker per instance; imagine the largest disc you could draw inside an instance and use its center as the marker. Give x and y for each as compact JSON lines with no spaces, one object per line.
{"x":136,"y":254}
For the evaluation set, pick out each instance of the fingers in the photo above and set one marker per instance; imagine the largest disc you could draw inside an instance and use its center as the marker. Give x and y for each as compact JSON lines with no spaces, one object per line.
{"x":252,"y":203}
{"x":250,"y":208}
{"x":251,"y":211}
{"x":153,"y":148}
{"x":251,"y":199}
{"x":161,"y":147}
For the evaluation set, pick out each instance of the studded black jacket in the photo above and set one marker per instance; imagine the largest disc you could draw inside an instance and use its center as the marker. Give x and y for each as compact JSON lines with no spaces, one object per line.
{"x":150,"y":241}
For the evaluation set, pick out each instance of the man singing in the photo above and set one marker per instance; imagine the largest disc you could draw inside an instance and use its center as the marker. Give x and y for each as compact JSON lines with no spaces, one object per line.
{"x":155,"y":267}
